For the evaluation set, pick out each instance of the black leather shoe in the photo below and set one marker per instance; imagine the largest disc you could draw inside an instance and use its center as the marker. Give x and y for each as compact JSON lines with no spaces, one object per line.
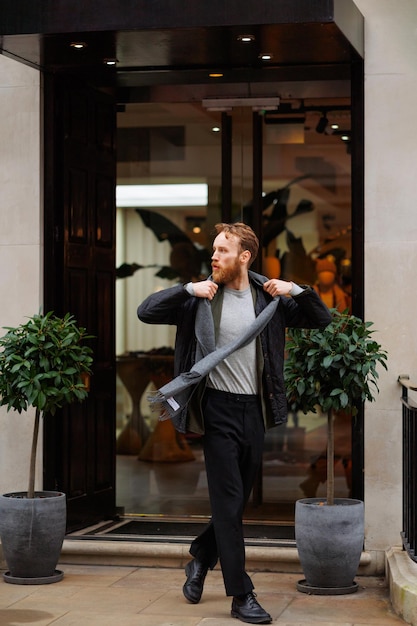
{"x":193,"y":587}
{"x":247,"y":609}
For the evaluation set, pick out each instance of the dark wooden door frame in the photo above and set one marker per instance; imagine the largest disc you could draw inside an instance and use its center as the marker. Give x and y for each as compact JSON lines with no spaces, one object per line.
{"x":79,"y":277}
{"x":358,"y":253}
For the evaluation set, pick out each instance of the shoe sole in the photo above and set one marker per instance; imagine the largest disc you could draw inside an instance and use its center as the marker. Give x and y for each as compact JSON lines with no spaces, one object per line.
{"x":251,"y":621}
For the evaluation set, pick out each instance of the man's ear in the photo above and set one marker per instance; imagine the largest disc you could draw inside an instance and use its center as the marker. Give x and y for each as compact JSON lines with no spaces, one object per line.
{"x":245,"y":256}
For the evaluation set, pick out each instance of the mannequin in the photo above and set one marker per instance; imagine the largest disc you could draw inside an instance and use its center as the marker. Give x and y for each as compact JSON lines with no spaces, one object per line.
{"x":327,"y":288}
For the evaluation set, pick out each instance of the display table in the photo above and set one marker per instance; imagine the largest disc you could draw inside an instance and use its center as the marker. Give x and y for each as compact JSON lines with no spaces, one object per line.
{"x":136,"y":371}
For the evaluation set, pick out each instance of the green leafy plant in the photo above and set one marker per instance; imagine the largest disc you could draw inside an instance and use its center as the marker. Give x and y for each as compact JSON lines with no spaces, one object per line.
{"x":43,"y":364}
{"x":334,"y":369}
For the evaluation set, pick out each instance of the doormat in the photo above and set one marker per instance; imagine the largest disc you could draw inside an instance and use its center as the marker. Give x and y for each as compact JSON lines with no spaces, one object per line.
{"x":190,"y":529}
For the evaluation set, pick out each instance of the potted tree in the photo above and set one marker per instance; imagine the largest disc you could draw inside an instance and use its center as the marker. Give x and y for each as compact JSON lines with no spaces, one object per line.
{"x":43,"y":364}
{"x":334,"y":369}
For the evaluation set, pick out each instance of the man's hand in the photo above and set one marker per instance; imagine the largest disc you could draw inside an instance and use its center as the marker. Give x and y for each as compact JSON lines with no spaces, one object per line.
{"x":205,"y":289}
{"x":276,"y":287}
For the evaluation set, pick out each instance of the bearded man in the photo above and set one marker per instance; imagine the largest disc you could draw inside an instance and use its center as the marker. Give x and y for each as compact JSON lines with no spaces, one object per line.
{"x":229,"y":387}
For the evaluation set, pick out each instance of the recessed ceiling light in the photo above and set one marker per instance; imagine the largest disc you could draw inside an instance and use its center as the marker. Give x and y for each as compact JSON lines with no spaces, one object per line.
{"x":265,"y":56}
{"x":216,"y":129}
{"x":246,"y":38}
{"x":78,"y":45}
{"x":110,"y":61}
{"x":335,"y":126}
{"x":216,"y":75}
{"x":345,"y":137}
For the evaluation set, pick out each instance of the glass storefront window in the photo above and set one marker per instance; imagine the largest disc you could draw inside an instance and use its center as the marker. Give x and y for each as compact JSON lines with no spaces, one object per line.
{"x":306,"y":218}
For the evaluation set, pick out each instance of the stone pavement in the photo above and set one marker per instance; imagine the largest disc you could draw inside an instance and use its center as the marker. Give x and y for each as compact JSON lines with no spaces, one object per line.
{"x":93,"y":595}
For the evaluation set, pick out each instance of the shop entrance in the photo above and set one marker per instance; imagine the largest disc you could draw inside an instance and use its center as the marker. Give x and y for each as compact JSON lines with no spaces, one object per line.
{"x":159,"y":66}
{"x":282,"y":165}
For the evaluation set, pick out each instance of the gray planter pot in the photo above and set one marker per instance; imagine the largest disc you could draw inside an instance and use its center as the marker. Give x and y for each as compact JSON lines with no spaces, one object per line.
{"x":32,"y":532}
{"x":329,"y":541}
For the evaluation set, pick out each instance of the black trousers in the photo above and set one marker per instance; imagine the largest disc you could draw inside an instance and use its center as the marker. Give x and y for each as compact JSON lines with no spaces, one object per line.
{"x":233,"y":446}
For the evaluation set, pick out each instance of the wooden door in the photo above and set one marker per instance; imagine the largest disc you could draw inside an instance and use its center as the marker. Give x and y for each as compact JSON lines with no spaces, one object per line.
{"x":80,"y":178}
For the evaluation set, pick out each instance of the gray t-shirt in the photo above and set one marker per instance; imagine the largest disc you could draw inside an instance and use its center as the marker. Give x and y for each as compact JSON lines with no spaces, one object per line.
{"x":237,"y":373}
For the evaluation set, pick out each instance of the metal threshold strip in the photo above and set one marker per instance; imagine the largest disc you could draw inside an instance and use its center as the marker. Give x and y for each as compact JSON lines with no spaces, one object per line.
{"x":161,"y":530}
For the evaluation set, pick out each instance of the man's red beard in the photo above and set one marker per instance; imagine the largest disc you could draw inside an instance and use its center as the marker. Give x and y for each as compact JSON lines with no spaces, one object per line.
{"x":228,"y":274}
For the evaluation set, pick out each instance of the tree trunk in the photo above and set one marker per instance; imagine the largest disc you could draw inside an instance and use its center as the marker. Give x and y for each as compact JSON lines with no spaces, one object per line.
{"x":31,"y":488}
{"x":330,"y":458}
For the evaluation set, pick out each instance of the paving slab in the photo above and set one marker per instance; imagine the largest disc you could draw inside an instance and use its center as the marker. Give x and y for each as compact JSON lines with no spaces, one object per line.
{"x":92,"y":595}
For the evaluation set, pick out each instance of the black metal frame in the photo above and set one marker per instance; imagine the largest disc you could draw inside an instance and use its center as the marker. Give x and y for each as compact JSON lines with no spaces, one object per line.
{"x":409,"y":462}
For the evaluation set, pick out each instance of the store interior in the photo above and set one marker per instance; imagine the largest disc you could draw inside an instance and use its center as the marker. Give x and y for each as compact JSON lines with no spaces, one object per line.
{"x":174,"y":146}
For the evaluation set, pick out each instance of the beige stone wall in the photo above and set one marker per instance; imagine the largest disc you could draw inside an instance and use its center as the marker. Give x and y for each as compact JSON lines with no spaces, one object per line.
{"x":390,"y":245}
{"x":20,"y":240}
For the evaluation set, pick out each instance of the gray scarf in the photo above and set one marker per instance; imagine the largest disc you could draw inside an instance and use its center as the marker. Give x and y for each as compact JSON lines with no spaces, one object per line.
{"x":173,"y":397}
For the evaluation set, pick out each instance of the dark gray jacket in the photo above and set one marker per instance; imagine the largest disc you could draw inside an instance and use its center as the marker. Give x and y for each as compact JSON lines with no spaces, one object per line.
{"x":176,"y":306}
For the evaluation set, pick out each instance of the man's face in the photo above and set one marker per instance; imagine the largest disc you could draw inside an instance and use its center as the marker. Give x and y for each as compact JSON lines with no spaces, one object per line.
{"x":225,"y":260}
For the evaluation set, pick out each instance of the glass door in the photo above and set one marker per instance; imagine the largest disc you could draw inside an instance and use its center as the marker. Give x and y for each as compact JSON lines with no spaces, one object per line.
{"x":285,"y":172}
{"x":306,"y":238}
{"x":170,"y":158}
